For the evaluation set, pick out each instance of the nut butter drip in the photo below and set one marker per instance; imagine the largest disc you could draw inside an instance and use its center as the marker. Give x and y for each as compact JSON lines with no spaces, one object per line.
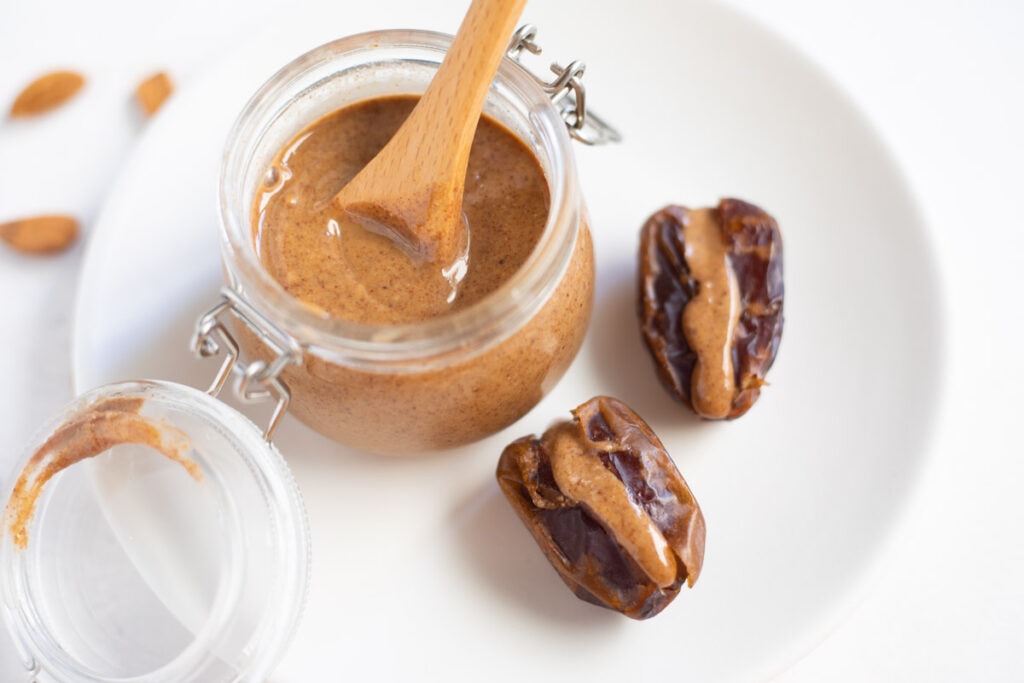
{"x":581,"y":477}
{"x":709,"y":320}
{"x":110,"y":423}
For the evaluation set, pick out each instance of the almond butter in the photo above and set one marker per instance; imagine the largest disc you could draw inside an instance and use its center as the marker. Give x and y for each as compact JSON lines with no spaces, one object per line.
{"x":153,"y":92}
{"x":40,"y":234}
{"x":47,"y":92}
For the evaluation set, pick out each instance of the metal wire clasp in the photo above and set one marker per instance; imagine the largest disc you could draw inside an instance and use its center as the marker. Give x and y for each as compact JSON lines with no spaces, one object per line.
{"x":257,"y":380}
{"x":566,"y":92}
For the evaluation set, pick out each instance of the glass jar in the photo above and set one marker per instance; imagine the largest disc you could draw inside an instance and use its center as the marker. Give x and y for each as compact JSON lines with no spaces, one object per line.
{"x":439,"y":383}
{"x":152,"y":535}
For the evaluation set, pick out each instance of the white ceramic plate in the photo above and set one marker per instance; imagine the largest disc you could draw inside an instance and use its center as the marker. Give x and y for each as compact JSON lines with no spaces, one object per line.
{"x":420,"y":569}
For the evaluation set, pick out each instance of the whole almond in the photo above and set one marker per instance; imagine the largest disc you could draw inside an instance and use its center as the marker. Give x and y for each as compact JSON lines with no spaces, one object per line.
{"x":40,"y":234}
{"x":153,"y":91}
{"x":47,"y":92}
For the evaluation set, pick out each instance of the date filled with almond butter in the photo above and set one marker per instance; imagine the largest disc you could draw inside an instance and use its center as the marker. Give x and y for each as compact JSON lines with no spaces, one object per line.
{"x":710,"y":303}
{"x":606,"y":504}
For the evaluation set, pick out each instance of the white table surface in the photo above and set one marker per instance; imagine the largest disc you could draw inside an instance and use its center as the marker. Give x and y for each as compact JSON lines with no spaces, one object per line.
{"x":942,"y":80}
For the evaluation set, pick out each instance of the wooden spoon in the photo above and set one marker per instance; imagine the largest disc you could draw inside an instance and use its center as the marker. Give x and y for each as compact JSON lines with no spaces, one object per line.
{"x":411,"y":192}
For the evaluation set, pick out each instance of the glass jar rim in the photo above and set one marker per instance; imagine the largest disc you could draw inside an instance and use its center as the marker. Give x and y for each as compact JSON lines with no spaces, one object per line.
{"x":411,"y":345}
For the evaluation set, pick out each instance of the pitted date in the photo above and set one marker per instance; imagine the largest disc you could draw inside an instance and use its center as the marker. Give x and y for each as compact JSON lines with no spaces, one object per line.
{"x":752,"y":247}
{"x":608,"y":507}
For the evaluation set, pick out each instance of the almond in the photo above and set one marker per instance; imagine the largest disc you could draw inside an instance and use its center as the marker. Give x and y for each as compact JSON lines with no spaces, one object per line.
{"x":47,"y":92}
{"x":40,"y":234}
{"x":153,"y":92}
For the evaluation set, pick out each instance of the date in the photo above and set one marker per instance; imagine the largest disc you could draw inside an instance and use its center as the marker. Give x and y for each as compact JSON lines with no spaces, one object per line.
{"x":710,"y":303}
{"x":608,"y":508}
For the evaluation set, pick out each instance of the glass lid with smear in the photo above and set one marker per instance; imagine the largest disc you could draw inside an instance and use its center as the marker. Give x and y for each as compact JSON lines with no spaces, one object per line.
{"x":204,"y":575}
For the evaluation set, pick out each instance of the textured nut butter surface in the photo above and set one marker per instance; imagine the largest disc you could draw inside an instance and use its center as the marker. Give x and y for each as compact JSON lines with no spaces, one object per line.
{"x":608,"y":507}
{"x":325,"y":258}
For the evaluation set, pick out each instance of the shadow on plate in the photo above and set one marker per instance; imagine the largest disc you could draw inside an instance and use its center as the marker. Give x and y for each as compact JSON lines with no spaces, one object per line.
{"x":502,"y":552}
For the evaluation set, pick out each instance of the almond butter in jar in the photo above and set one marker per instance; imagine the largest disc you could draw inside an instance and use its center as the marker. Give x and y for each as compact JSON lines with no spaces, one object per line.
{"x":398,"y":383}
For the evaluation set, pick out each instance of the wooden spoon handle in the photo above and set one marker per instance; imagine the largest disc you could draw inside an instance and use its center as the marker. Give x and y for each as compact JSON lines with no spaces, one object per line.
{"x":437,"y":136}
{"x":412,"y":190}
{"x":465,"y":75}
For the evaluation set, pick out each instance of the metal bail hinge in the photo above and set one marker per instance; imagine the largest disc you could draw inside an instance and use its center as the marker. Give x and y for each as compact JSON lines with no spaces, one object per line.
{"x":257,"y":380}
{"x":566,"y":92}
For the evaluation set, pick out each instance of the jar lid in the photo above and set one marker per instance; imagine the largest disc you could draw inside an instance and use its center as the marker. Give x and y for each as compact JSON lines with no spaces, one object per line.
{"x":152,"y":534}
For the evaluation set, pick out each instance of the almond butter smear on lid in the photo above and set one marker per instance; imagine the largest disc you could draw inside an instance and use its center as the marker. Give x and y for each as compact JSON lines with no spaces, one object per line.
{"x":375,"y":349}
